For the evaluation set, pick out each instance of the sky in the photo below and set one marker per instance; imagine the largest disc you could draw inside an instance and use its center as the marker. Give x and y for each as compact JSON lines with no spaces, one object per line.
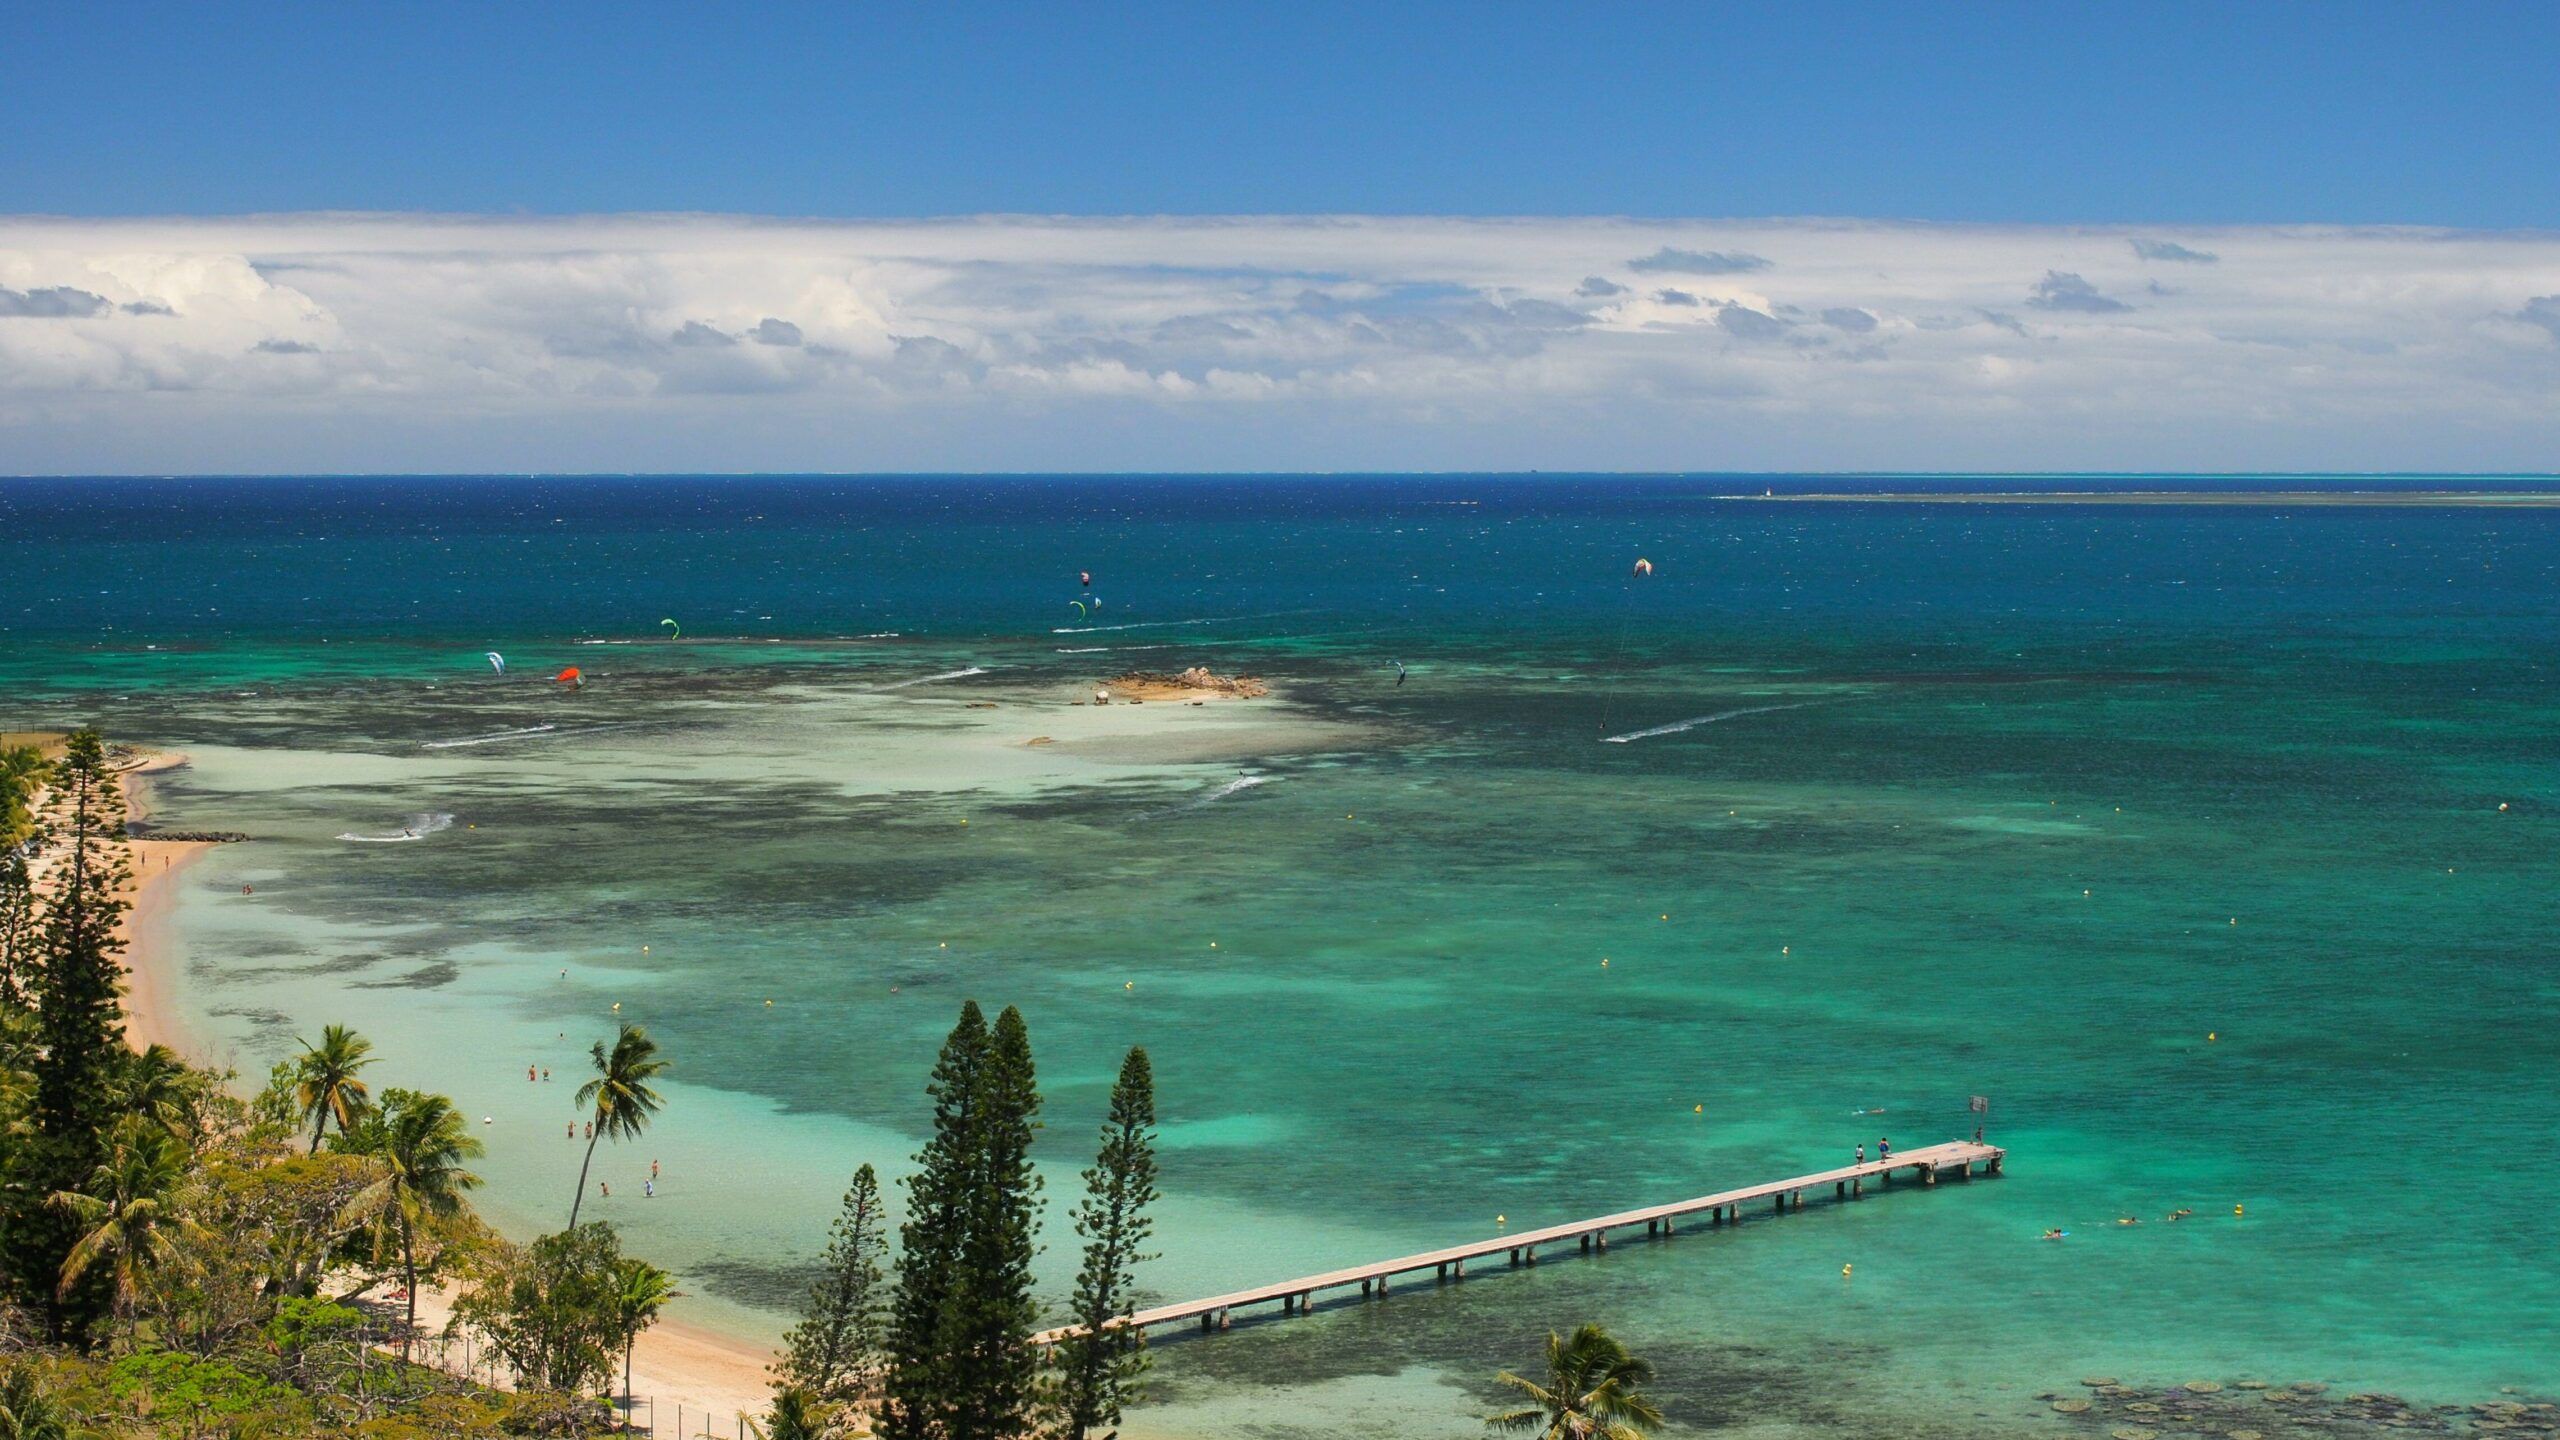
{"x":397,"y":237}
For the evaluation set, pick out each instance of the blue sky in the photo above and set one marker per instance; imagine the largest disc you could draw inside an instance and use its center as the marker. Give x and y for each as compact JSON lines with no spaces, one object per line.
{"x":574,"y":237}
{"x":2034,"y":113}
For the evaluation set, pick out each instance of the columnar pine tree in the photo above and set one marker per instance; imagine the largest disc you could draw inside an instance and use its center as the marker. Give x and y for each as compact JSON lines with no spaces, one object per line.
{"x":1098,"y":1368}
{"x":833,"y":1356}
{"x":915,"y":1399}
{"x":74,"y":988}
{"x":986,"y":1331}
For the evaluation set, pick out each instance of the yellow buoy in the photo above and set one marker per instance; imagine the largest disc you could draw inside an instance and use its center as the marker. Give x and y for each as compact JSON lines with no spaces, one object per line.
{"x":1844,"y":1272}
{"x":1783,"y":949}
{"x":1501,"y":1219}
{"x":1213,"y":944}
{"x":2236,"y":1210}
{"x":1604,"y":962}
{"x":1128,"y":984}
{"x":644,"y":949}
{"x":617,"y":1004}
{"x":964,"y":819}
{"x":2212,"y":1035}
{"x":768,"y":1004}
{"x":944,"y":945}
{"x":1697,"y":1109}
{"x":1666,"y":917}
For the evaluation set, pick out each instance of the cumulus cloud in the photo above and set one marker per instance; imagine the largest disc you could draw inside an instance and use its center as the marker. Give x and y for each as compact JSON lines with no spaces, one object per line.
{"x":1746,"y":323}
{"x":2062,"y":290}
{"x":51,"y":302}
{"x":2172,"y":251}
{"x":1342,"y":342}
{"x":1667,"y":261}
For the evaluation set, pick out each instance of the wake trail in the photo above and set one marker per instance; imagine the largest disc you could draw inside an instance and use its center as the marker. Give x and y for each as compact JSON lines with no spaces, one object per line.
{"x":946,"y":675}
{"x":419,"y":827}
{"x":1233,"y":787}
{"x":1694,"y":721}
{"x":528,"y":733}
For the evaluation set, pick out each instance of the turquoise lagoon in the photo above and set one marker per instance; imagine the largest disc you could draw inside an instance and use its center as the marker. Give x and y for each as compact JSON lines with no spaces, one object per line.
{"x":2213,"y":844}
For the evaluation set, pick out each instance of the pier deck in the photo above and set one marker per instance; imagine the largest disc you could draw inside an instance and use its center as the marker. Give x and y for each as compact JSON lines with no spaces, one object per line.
{"x":1957,"y":1157}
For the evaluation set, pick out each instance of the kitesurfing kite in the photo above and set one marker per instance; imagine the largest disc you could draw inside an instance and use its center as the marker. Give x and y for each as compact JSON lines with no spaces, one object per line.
{"x":1643,"y":566}
{"x":1085,"y":578}
{"x":678,"y":629}
{"x":497,"y":662}
{"x":1078,"y":607}
{"x":1399,"y":672}
{"x":571,"y":678}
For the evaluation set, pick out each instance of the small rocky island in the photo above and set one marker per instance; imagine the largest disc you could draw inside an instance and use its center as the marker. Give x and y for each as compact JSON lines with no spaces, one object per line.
{"x":1196,"y":683}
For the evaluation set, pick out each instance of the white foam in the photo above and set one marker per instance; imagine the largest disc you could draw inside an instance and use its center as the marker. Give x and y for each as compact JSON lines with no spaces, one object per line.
{"x":418,"y":827}
{"x":486,"y":739}
{"x":1236,"y":786}
{"x":1694,"y":721}
{"x":946,"y":675}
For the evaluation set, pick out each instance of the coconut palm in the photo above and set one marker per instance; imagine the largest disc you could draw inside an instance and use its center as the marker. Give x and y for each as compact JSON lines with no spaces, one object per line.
{"x":1590,"y":1392}
{"x":154,"y":1085}
{"x":640,"y":1291}
{"x":619,"y":1095}
{"x":125,"y":1216}
{"x":325,"y":1083}
{"x":420,"y":1142}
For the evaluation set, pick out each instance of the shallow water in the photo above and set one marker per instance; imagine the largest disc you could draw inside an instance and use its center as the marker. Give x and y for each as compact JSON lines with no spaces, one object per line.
{"x":1914,"y":804}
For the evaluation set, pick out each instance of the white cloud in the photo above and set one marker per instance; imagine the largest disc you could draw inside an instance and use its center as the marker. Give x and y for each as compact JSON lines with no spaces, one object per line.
{"x":614,"y":343}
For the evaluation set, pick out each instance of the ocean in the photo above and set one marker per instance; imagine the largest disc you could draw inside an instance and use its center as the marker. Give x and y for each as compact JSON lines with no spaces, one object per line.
{"x":2212,"y":844}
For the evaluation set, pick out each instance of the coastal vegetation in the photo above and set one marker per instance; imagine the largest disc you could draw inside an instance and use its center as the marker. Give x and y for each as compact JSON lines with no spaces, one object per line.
{"x":1592,"y":1391}
{"x":180,"y":1259}
{"x":181,"y":1255}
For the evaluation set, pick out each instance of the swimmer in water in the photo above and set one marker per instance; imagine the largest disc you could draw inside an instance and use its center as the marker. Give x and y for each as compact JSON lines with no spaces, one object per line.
{"x":2053,"y":1234}
{"x":2180,"y":1214}
{"x":2127,"y":1220}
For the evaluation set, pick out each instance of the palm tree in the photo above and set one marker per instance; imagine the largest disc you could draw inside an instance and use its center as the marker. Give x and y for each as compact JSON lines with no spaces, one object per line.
{"x":621,"y":1096}
{"x":640,"y":1291}
{"x":154,"y":1086}
{"x":1590,"y":1392}
{"x":325,"y":1084}
{"x":28,"y":1413}
{"x":125,"y":1215}
{"x":420,"y":1142}
{"x":795,"y":1417}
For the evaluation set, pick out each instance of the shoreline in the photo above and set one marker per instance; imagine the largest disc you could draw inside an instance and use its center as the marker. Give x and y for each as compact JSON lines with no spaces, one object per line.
{"x":149,"y":956}
{"x":705,"y":1370}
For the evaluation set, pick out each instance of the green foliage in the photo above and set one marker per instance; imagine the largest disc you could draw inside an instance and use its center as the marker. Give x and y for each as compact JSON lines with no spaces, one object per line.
{"x":126,"y":1222}
{"x":1590,"y":1393}
{"x":174,"y":1389}
{"x":78,"y":1040}
{"x":795,"y":1416}
{"x":913,"y":1403}
{"x":834,"y":1354}
{"x":620,"y":1096}
{"x":553,"y":1310}
{"x":960,"y":1365}
{"x":418,"y":1144}
{"x":325,"y":1086}
{"x":1098,"y":1368}
{"x":30,"y":1411}
{"x":22,"y":771}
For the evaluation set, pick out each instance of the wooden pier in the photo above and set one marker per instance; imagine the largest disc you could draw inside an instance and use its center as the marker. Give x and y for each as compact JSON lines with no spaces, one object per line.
{"x":1925,"y":1165}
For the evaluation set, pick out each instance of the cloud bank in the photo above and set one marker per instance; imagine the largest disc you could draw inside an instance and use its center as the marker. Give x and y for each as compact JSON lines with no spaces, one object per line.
{"x":409,"y":343}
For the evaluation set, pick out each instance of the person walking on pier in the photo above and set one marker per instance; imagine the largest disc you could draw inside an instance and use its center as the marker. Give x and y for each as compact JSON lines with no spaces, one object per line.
{"x":1862,"y":1152}
{"x":1884,"y":1148}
